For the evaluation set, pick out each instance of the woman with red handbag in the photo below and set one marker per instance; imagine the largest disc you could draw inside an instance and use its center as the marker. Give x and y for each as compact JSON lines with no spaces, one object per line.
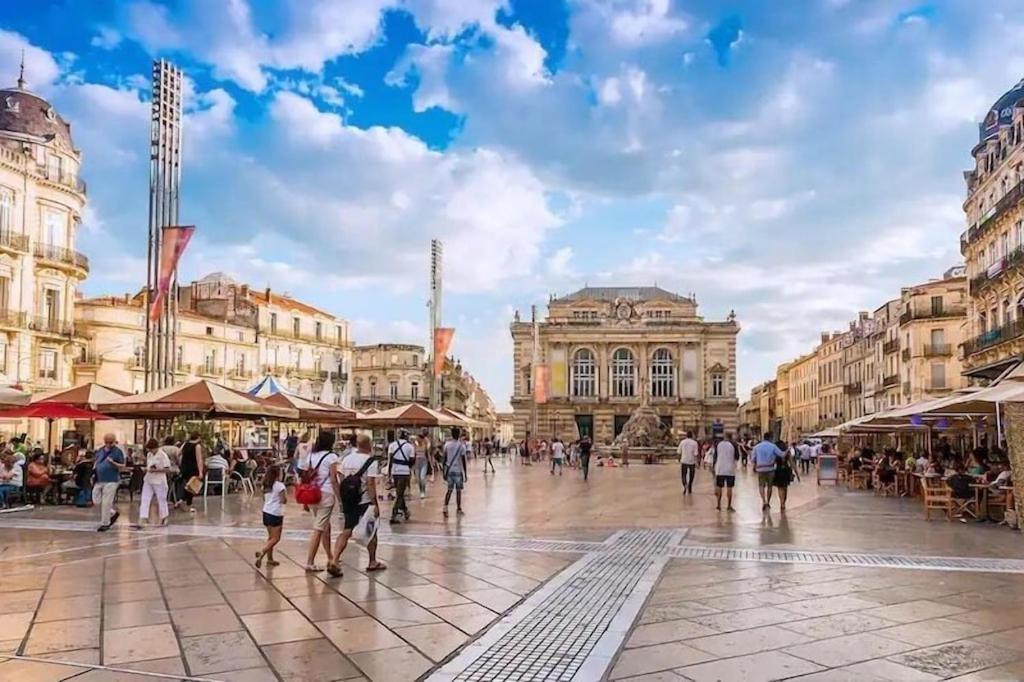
{"x":317,"y":494}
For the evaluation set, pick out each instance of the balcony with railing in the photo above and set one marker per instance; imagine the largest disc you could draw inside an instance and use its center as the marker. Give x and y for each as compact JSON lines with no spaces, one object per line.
{"x":62,"y":177}
{"x":989,"y":218}
{"x":938,"y":350}
{"x":890,"y":381}
{"x":51,"y":325}
{"x":87,"y":359}
{"x":209,"y":369}
{"x":932,"y":313}
{"x":853,"y":389}
{"x":12,"y":242}
{"x":891,"y":346}
{"x":322,"y":338}
{"x":905,"y":355}
{"x":994,"y":337}
{"x":61,"y":257}
{"x":240,"y":373}
{"x":12,"y":319}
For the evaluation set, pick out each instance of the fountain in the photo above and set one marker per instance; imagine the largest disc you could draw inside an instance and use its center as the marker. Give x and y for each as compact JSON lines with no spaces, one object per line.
{"x":644,"y":434}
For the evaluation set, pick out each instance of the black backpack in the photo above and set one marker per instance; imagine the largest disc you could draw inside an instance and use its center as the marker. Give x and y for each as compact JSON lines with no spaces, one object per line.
{"x":351,"y":487}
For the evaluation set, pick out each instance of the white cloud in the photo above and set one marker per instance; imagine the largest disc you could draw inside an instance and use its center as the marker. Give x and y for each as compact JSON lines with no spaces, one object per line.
{"x":41,"y":68}
{"x":445,"y":19}
{"x":635,"y":23}
{"x":106,"y":38}
{"x":429,"y":65}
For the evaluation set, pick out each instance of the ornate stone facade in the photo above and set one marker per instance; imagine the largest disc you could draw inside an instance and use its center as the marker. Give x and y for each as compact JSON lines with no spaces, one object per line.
{"x":606,"y":347}
{"x":385,"y":375}
{"x":993,"y":245}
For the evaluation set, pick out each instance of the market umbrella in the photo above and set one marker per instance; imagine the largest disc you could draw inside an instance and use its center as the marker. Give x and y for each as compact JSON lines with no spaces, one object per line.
{"x":86,"y":396}
{"x":50,"y":412}
{"x":12,"y":396}
{"x":202,"y":398}
{"x":314,"y":411}
{"x":267,"y":386}
{"x":412,"y":414}
{"x":464,"y":418}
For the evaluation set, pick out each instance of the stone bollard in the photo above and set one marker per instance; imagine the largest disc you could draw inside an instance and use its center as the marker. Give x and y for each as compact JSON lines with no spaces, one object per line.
{"x":1013,"y":425}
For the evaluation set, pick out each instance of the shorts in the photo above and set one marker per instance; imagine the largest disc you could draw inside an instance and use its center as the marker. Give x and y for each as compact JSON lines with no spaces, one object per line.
{"x":725,"y":481}
{"x":766,"y":477}
{"x":322,"y":513}
{"x":456,"y":480}
{"x":272,"y":520}
{"x":353,"y":515}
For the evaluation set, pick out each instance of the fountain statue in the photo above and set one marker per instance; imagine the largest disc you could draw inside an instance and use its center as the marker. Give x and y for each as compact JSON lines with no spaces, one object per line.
{"x":644,"y":433}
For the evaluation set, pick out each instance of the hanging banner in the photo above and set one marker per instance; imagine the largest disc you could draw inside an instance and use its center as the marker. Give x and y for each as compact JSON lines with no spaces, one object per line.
{"x":541,"y":377}
{"x":173,"y":240}
{"x":442,"y":341}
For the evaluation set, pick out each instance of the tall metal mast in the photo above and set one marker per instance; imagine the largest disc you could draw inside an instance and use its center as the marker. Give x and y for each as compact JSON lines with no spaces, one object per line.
{"x":436,"y":258}
{"x":164,"y":185}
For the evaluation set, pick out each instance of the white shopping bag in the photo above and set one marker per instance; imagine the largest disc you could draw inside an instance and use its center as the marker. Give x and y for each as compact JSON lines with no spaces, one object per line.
{"x":366,"y":529}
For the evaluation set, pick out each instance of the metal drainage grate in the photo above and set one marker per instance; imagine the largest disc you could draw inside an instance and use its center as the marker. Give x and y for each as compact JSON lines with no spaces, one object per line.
{"x":927,"y":563}
{"x":551,"y":637}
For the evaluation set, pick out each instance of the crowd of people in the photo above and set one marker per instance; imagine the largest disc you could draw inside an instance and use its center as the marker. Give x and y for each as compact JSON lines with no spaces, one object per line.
{"x":958,"y":469}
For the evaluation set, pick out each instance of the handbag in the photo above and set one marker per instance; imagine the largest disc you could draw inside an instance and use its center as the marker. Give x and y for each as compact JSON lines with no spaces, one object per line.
{"x":307,"y":492}
{"x":194,"y":485}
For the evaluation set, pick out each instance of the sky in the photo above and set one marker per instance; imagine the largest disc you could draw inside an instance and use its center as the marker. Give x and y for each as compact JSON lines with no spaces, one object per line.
{"x":793,"y":161}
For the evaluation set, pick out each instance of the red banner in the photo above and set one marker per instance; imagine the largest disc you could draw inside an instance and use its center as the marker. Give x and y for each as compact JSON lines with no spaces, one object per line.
{"x":173,"y":240}
{"x":442,"y":341}
{"x":541,"y":377}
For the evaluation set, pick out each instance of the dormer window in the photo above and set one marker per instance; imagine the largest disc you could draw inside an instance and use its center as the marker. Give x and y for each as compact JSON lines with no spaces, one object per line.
{"x":51,"y":115}
{"x":12,"y":104}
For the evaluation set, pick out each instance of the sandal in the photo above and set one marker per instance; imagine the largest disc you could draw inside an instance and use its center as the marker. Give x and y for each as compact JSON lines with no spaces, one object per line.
{"x":271,"y":562}
{"x":377,"y":566}
{"x":314,"y":569}
{"x":259,"y":559}
{"x":334,"y":570}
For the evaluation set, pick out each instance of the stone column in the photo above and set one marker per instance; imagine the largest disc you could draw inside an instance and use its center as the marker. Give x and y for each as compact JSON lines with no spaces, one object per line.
{"x":1013,"y":426}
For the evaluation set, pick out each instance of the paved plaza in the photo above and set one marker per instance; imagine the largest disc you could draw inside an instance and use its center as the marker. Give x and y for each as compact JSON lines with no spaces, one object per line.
{"x":545,"y":578}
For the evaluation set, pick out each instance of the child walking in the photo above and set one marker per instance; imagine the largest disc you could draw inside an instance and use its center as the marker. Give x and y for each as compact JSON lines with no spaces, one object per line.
{"x":274,"y":498}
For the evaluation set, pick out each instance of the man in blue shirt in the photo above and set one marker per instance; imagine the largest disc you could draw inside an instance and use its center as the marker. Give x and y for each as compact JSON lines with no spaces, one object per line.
{"x":109,"y":462}
{"x":764,"y":455}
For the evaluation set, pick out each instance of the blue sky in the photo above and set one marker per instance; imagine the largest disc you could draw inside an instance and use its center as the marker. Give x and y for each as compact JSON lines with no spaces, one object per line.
{"x":795,"y":162}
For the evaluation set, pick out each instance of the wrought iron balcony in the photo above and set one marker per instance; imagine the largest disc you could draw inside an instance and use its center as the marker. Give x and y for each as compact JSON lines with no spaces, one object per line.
{"x":50,"y":325}
{"x":905,"y":355}
{"x":61,"y":256}
{"x":932,"y":313}
{"x":938,"y":350}
{"x":853,"y":389}
{"x":994,"y":337}
{"x":240,"y":373}
{"x":891,"y":346}
{"x":12,"y":241}
{"x":13,"y":318}
{"x":1008,"y":201}
{"x":890,"y":381}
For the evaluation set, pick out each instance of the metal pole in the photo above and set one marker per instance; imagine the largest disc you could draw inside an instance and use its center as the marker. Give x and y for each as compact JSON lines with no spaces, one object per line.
{"x":535,"y":359}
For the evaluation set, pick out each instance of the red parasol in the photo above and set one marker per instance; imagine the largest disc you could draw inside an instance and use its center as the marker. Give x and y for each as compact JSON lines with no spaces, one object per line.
{"x":49,"y":412}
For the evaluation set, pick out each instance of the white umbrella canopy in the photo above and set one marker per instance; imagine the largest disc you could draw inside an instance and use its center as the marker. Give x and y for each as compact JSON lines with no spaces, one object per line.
{"x":13,"y":396}
{"x":979,"y":403}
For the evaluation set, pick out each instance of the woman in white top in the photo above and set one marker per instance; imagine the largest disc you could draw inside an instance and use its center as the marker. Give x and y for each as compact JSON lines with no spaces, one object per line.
{"x":324,"y":461}
{"x":274,"y":498}
{"x":158,"y":464}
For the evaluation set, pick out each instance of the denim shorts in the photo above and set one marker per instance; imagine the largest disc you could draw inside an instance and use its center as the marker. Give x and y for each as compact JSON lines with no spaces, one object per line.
{"x":456,"y":480}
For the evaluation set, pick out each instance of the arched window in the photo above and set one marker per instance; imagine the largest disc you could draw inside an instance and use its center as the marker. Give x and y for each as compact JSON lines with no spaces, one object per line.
{"x":584,"y":374}
{"x":623,"y":374}
{"x":663,"y":374}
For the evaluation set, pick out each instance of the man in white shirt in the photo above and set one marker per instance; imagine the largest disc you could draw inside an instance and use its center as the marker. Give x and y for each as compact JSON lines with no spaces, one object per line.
{"x":689,"y":452}
{"x":725,"y":452}
{"x":354,"y":463}
{"x":804,"y":452}
{"x":557,"y":455}
{"x":401,"y":455}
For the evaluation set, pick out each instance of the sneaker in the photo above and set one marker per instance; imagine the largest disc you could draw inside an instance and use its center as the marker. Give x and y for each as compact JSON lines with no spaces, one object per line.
{"x":103,"y":528}
{"x":445,"y":512}
{"x":730,"y":509}
{"x":422,"y":495}
{"x":113,"y":519}
{"x":460,"y":512}
{"x":718,"y":507}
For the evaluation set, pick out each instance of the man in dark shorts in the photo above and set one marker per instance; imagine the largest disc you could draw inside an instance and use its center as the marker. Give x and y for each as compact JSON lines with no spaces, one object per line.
{"x":724,"y":453}
{"x":585,"y":447}
{"x":352,"y":464}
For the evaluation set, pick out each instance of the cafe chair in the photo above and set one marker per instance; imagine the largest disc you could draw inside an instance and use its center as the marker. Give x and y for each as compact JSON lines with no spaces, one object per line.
{"x":998,"y":502}
{"x":883,"y":489}
{"x":937,"y":497}
{"x":214,"y":477}
{"x":244,"y":482}
{"x":961,"y":508}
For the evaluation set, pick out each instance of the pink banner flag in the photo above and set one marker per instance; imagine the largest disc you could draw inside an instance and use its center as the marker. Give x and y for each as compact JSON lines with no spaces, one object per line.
{"x":174,"y":239}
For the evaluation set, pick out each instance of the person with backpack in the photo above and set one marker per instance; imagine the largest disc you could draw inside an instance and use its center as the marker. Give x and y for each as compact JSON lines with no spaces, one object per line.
{"x":401,"y":456}
{"x":355,"y":484}
{"x":316,"y":492}
{"x":585,"y":448}
{"x":454,"y":470}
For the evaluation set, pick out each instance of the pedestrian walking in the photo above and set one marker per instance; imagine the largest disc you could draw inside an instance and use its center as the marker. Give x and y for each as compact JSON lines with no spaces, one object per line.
{"x":806,"y":453}
{"x":557,"y":455}
{"x":317,"y":472}
{"x":421,"y":464}
{"x":745,"y":448}
{"x":765,"y":455}
{"x":192,"y":466}
{"x":689,"y":451}
{"x":401,"y":455}
{"x":585,"y":447}
{"x":725,"y":453}
{"x":154,"y":483}
{"x":489,"y":448}
{"x":524,"y":450}
{"x":783,"y":477}
{"x":354,"y":481}
{"x":109,"y":463}
{"x":275,"y":496}
{"x":454,"y":470}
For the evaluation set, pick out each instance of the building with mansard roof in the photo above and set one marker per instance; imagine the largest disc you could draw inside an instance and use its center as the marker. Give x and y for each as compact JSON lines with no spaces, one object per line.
{"x":610,"y":349}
